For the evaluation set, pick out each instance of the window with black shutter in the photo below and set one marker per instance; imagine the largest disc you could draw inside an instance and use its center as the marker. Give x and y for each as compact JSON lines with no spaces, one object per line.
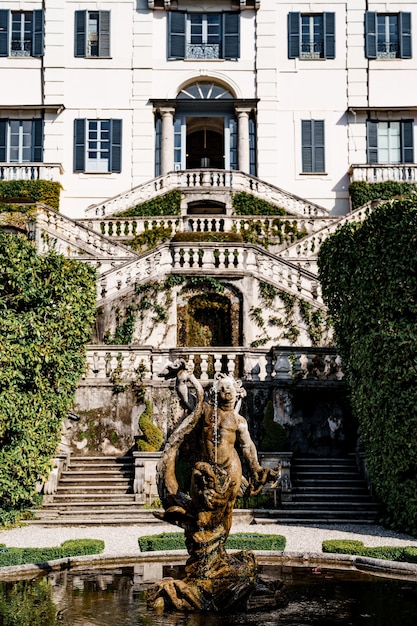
{"x":203,"y":35}
{"x":97,"y":146}
{"x":390,"y":142}
{"x":21,"y":141}
{"x":21,"y":33}
{"x":311,"y":35}
{"x":92,"y":34}
{"x":388,"y":35}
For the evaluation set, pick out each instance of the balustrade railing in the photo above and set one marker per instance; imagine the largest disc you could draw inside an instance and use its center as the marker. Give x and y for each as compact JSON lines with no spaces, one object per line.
{"x":31,"y":171}
{"x":382,"y":173}
{"x":203,"y":179}
{"x":128,"y":228}
{"x":211,"y":259}
{"x":123,"y":365}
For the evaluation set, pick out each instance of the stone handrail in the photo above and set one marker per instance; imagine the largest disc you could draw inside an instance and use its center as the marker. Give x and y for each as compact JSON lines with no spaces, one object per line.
{"x":202,"y":180}
{"x":125,"y":228}
{"x":381,"y":173}
{"x":31,"y":171}
{"x":74,"y":239}
{"x":250,"y":364}
{"x":210,"y":259}
{"x":308,"y":247}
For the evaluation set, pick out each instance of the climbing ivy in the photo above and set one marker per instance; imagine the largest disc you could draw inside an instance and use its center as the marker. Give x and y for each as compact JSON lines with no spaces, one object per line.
{"x":150,"y":238}
{"x":269,"y":232}
{"x":286,"y":309}
{"x":368,"y":273}
{"x":362,"y":192}
{"x":167,"y":204}
{"x":47,"y":310}
{"x":248,"y":204}
{"x":45,"y":191}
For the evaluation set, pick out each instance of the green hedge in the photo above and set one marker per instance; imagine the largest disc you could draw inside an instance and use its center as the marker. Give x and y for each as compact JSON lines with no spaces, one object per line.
{"x":238,"y":541}
{"x":168,"y":204}
{"x":72,"y":547}
{"x":369,"y":281}
{"x":357,"y":548}
{"x":247,"y":204}
{"x":361,"y":192}
{"x":208,"y":236}
{"x":45,"y":191}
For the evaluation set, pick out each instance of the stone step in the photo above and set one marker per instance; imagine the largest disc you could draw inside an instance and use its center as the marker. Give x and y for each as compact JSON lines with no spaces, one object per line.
{"x":306,"y":521}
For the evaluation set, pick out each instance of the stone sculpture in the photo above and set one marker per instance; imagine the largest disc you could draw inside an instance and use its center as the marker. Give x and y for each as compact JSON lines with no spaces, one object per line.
{"x":214,"y":579}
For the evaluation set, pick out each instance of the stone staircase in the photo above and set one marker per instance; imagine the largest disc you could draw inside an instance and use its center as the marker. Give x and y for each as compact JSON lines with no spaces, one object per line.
{"x":95,"y":491}
{"x":325,"y":491}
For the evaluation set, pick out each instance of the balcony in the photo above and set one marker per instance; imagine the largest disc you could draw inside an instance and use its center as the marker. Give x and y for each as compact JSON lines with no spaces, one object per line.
{"x":31,"y":171}
{"x":405,"y":172}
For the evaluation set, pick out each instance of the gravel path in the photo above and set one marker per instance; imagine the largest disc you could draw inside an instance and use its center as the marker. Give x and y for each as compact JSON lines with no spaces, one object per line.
{"x":123,"y":540}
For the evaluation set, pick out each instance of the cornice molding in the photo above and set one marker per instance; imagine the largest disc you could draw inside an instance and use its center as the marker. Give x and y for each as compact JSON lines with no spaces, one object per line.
{"x":172,"y":5}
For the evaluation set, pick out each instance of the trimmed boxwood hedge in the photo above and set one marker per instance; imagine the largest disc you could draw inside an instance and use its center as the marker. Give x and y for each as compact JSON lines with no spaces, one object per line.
{"x":238,"y":541}
{"x":208,"y":236}
{"x":353,"y":547}
{"x":72,"y":547}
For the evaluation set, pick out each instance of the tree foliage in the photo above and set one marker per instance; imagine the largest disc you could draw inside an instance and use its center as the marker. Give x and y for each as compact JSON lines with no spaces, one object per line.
{"x":47,"y":307}
{"x":368,"y":273}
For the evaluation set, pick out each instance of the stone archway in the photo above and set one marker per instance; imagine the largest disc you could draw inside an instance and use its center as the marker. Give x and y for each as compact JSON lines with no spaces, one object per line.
{"x":209,"y":319}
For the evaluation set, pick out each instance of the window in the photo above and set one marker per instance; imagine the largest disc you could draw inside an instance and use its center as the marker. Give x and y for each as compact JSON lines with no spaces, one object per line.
{"x":97,"y":145}
{"x":203,"y":35}
{"x":21,"y":141}
{"x":390,"y":142}
{"x":21,"y":33}
{"x":312,"y":141}
{"x":92,"y":34}
{"x":387,"y":35}
{"x":311,"y":36}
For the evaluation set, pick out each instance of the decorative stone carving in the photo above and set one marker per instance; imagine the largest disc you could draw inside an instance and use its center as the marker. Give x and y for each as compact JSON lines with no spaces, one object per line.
{"x":215,"y":580}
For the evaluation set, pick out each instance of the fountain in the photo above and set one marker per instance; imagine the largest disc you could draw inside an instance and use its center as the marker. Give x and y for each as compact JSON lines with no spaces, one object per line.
{"x":214,"y":580}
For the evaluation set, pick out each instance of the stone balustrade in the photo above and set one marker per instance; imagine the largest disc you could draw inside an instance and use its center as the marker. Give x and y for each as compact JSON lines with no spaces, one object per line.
{"x":308,"y":247}
{"x":213,"y":259}
{"x":186,"y":180}
{"x":108,"y":364}
{"x":74,"y":239}
{"x":31,"y":171}
{"x":128,"y":227}
{"x":381,"y":173}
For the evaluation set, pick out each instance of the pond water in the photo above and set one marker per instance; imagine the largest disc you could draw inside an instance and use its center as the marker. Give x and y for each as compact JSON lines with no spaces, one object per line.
{"x":116,"y":597}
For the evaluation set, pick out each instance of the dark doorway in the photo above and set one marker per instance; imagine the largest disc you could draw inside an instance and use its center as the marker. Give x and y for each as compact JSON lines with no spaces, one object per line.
{"x":205,"y":143}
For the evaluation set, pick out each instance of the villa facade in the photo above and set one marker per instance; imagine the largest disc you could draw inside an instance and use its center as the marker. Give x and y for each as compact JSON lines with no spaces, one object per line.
{"x":105,"y":95}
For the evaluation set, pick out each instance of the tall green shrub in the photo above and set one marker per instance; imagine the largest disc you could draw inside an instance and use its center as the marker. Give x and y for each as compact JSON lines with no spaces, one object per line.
{"x":47,"y":310}
{"x":368,"y":273}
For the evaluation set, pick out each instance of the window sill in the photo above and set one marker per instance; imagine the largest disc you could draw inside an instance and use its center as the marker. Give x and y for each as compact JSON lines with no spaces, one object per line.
{"x":313,"y":174}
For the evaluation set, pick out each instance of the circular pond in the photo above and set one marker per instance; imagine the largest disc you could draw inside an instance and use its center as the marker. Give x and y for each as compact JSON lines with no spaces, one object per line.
{"x":116,"y":597}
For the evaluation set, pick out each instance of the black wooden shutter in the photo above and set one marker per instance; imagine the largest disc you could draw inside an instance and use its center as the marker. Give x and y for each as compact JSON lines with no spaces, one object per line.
{"x":405,"y":35}
{"x":37,"y":36}
{"x":104,"y":34}
{"x":312,"y":142}
{"x":79,"y":144}
{"x":3,"y":143}
{"x":370,"y":35}
{"x":294,"y":23}
{"x":372,"y":141}
{"x":307,"y":145}
{"x":80,"y":34}
{"x":4,"y":32}
{"x":176,"y":34}
{"x":318,"y":138}
{"x":37,"y":140}
{"x":115,"y":146}
{"x":407,"y":142}
{"x":329,"y":35}
{"x":231,"y":36}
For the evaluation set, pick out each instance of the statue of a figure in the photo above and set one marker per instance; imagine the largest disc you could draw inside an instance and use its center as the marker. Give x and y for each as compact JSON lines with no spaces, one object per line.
{"x":216,"y":480}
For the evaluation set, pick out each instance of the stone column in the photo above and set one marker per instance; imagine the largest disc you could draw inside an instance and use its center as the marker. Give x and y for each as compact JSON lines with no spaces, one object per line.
{"x":167,"y":140}
{"x":243,"y":139}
